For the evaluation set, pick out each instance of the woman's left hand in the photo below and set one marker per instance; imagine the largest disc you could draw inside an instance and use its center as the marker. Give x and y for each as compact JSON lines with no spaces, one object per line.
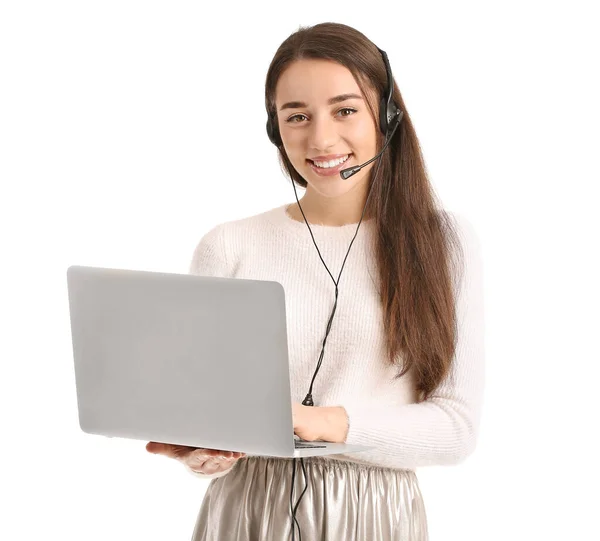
{"x":312,"y":423}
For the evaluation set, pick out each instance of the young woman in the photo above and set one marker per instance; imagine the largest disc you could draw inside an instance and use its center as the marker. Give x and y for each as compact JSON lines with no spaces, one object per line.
{"x":403,"y":368}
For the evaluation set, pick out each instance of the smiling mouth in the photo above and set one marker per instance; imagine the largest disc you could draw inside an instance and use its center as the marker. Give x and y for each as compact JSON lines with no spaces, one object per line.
{"x":337,"y":166}
{"x":348,"y":156}
{"x":329,"y":171}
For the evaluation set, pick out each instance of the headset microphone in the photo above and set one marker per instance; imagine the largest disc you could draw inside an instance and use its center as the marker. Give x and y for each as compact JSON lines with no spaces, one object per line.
{"x":347,"y":173}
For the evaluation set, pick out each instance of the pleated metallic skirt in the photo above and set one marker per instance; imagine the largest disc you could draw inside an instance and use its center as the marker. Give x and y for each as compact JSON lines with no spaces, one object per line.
{"x":343,"y":501}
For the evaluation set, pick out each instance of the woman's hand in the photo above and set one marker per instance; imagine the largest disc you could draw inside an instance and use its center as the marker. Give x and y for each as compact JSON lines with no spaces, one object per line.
{"x":205,"y":461}
{"x":312,"y":423}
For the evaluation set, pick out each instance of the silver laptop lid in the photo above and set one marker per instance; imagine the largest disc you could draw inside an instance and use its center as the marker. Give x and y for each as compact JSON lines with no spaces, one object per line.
{"x":180,"y":358}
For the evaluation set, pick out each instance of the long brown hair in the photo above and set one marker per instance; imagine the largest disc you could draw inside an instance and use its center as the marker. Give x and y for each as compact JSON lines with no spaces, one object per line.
{"x":414,"y":239}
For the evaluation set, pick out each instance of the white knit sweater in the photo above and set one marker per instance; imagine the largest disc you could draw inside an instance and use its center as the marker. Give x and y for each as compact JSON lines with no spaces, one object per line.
{"x":355,"y":372}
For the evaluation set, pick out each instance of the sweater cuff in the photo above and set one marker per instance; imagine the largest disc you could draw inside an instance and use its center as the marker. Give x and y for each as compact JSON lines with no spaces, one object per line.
{"x":357,"y":420}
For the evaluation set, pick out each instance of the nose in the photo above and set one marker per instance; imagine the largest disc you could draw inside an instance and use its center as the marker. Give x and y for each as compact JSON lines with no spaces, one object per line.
{"x":322,"y":133}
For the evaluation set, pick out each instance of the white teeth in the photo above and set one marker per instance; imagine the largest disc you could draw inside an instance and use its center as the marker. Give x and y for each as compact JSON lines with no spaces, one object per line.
{"x":331,"y":163}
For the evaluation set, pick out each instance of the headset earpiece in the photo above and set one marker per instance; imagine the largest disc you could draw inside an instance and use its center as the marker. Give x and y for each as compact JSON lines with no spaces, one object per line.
{"x":389,"y":114}
{"x":273,"y":131}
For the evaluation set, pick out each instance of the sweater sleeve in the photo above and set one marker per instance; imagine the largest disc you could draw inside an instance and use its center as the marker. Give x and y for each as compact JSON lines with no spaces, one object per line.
{"x":210,"y":255}
{"x":210,"y":259}
{"x":443,"y":429}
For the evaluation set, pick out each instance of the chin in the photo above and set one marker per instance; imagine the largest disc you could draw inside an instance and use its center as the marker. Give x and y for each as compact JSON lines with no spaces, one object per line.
{"x":333,"y":189}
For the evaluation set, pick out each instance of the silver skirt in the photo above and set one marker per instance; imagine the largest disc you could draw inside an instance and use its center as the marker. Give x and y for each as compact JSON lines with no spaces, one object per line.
{"x":344,"y":500}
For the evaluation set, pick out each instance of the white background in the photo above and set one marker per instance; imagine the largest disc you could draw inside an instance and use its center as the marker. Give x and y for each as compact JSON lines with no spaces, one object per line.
{"x":128,"y":129}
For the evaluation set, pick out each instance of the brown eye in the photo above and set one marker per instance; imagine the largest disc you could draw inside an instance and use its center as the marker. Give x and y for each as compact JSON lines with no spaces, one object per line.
{"x":291,"y":119}
{"x":347,"y":109}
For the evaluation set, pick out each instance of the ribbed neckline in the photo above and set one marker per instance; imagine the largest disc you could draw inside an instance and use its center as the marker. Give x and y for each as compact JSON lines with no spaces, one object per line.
{"x":282,"y":218}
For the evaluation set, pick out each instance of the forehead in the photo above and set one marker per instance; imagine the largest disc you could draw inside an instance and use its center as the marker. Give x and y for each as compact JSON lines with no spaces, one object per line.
{"x":314,"y":81}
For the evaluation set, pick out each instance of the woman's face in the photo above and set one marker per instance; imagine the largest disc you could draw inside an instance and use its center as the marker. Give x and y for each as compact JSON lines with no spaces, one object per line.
{"x":312,"y":127}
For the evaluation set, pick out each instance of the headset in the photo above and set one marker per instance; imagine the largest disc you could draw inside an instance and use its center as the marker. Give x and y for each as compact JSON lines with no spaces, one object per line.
{"x":390,"y":116}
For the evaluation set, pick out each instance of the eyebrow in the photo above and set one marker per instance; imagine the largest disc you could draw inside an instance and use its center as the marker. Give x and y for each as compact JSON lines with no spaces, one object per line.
{"x":331,"y":101}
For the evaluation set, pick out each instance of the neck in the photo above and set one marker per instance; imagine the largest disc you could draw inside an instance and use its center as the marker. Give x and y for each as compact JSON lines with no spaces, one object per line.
{"x":329,"y":212}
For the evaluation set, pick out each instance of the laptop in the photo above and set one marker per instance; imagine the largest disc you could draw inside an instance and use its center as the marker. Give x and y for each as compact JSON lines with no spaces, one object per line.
{"x":185,"y":359}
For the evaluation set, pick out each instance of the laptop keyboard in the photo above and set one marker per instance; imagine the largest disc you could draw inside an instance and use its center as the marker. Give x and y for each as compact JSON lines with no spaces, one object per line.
{"x":307,"y":445}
